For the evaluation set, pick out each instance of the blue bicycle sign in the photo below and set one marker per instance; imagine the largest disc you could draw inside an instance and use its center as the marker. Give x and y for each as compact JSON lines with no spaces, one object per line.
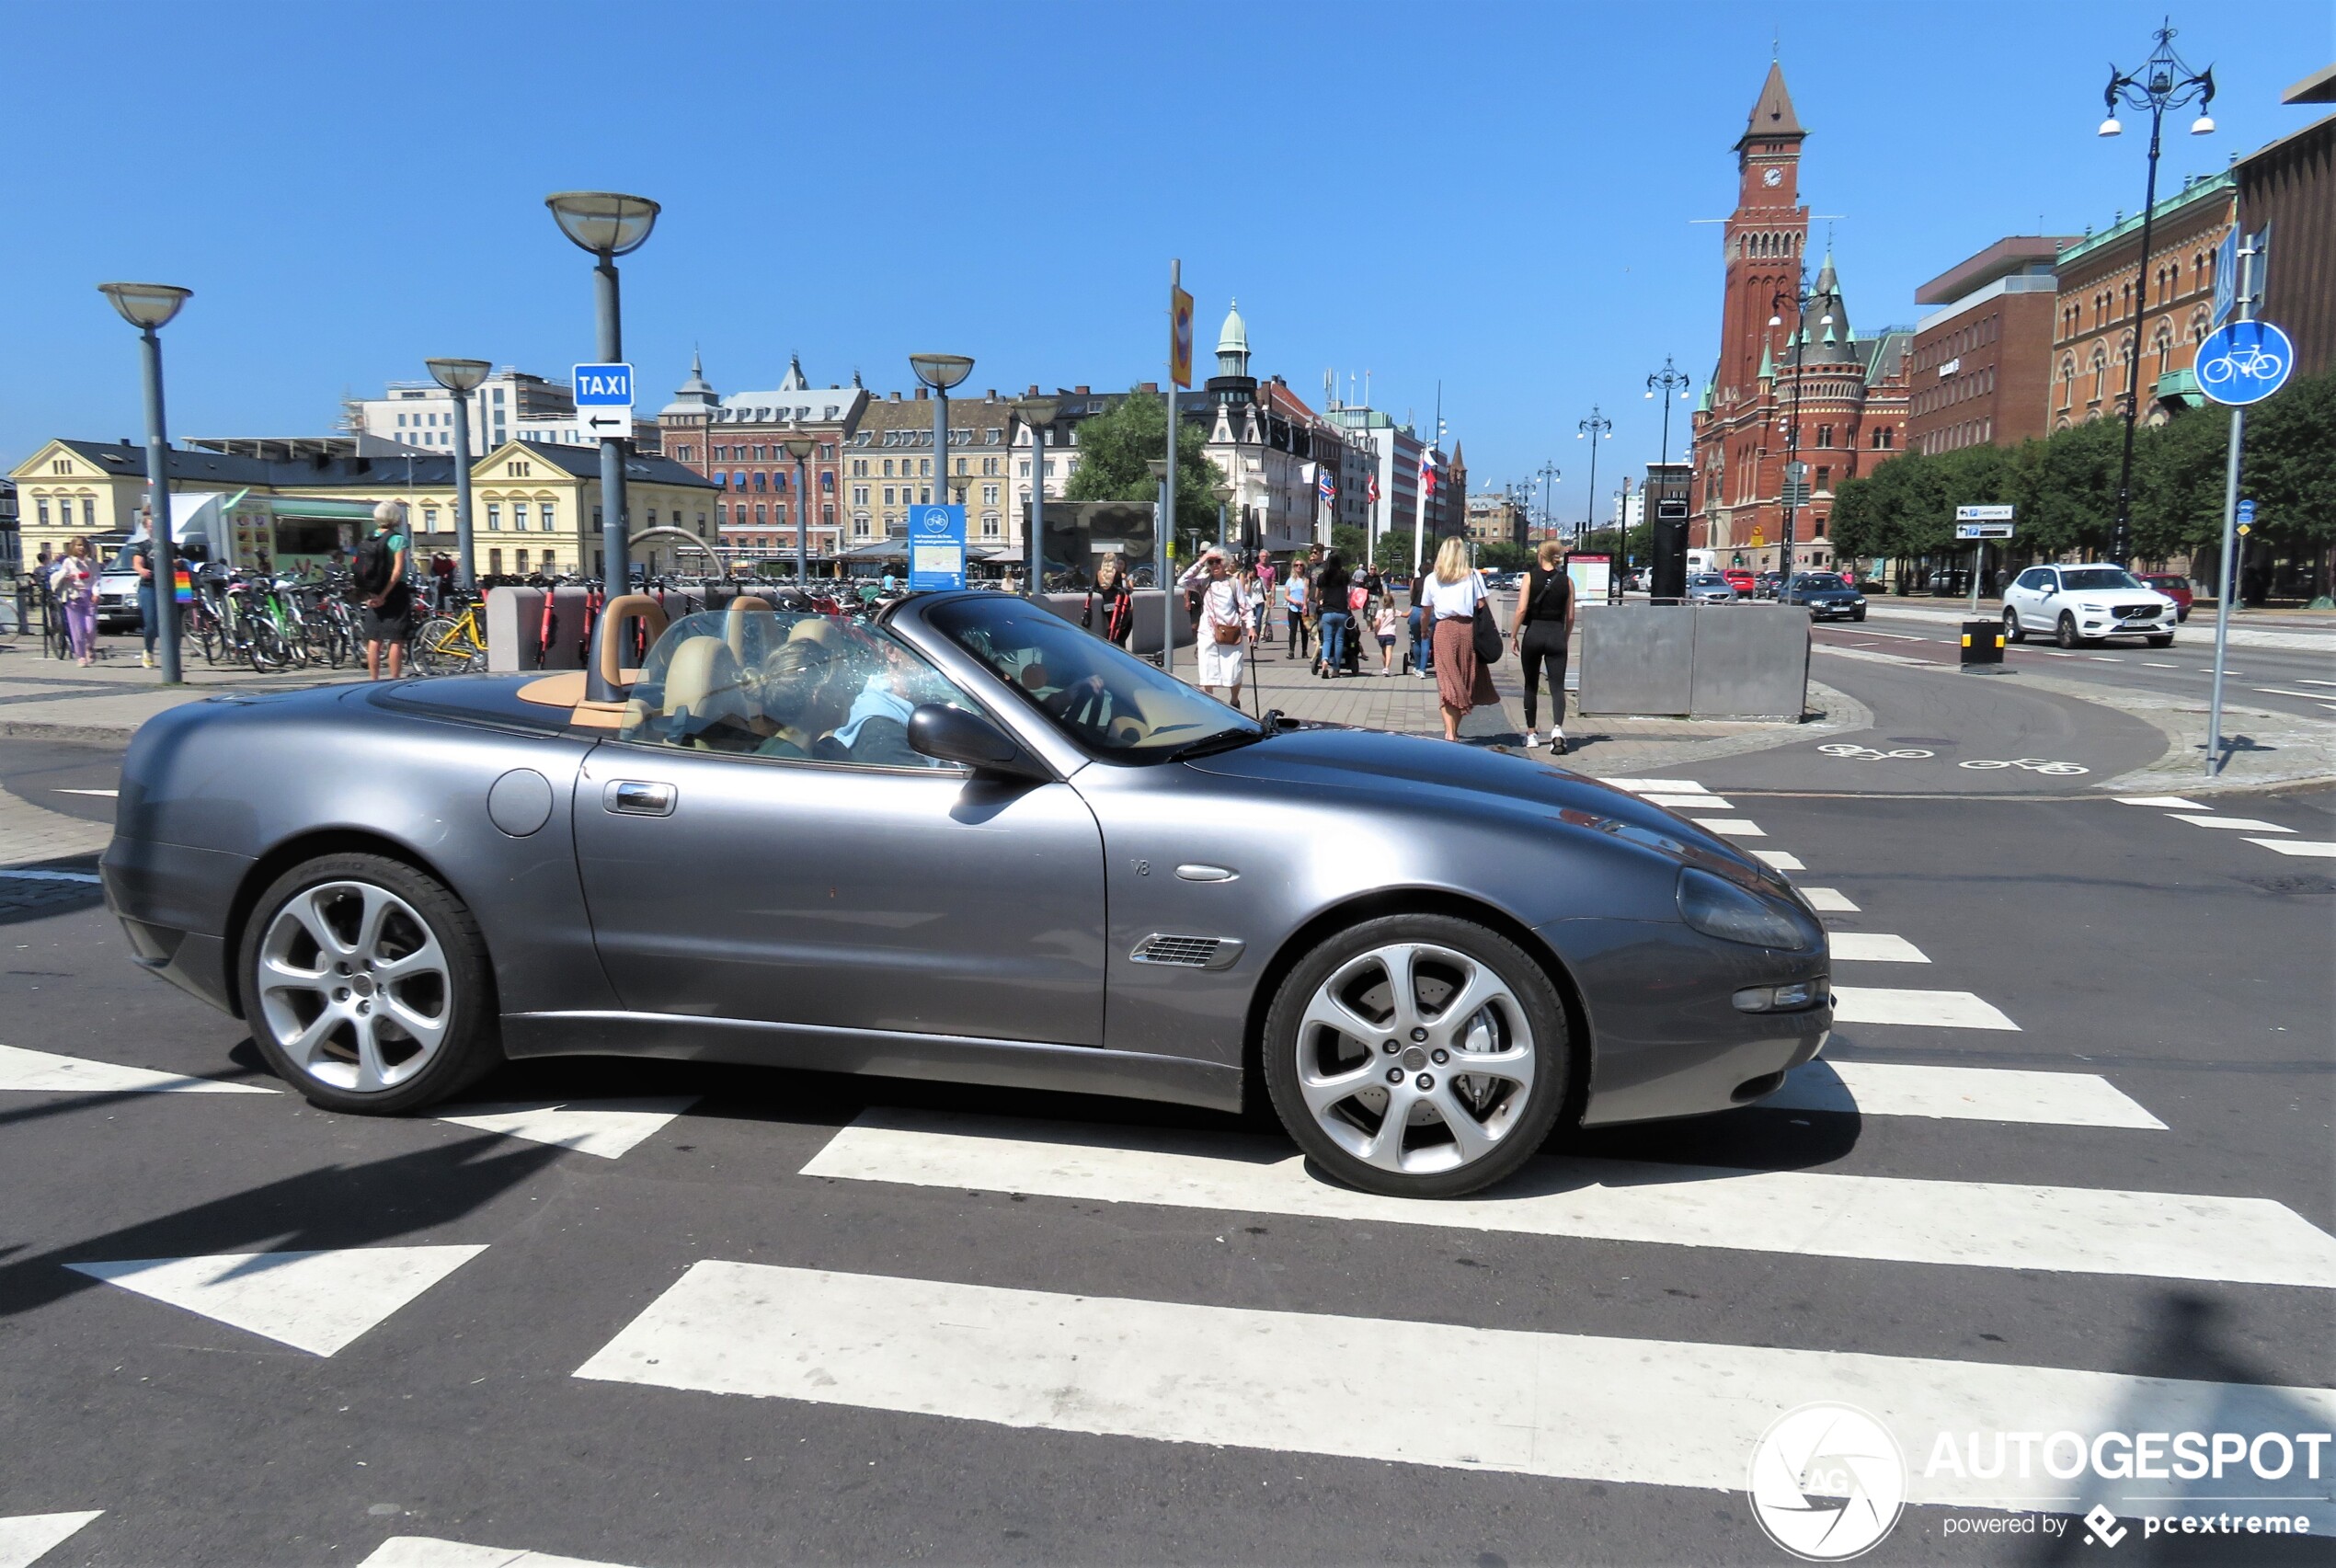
{"x":2244,"y":361}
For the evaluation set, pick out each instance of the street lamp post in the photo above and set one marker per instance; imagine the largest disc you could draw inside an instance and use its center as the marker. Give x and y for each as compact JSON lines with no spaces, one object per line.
{"x":1224,"y":493}
{"x":461,"y":377}
{"x":1550,"y":474}
{"x":1036,"y":414}
{"x":940,"y":372}
{"x":800,"y":447}
{"x":1161,"y":522}
{"x":149,"y":307}
{"x":1594,"y":428}
{"x":2163,"y":82}
{"x":608,"y":225}
{"x":1667,"y":380}
{"x":1798,"y":299}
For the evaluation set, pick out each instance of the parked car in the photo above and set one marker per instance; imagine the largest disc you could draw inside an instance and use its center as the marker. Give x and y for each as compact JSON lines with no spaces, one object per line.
{"x":1742,"y":581}
{"x":2174,"y":586}
{"x":1710,"y":588}
{"x":1826,"y":595}
{"x":965,"y":841}
{"x":118,"y":594}
{"x":1766,"y":585}
{"x":2085,"y":604}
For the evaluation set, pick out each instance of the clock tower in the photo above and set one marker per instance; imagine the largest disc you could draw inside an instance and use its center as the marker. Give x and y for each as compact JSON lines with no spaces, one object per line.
{"x":1766,"y":238}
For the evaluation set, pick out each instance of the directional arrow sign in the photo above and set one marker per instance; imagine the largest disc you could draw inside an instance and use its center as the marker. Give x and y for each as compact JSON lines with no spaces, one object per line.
{"x":1983,"y":514}
{"x":604,"y":400}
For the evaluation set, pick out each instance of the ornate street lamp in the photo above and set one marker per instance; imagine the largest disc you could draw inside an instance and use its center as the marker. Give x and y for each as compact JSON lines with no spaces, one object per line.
{"x":2163,"y":82}
{"x":462,"y":377}
{"x":940,"y":372}
{"x":608,"y":225}
{"x":800,"y":447}
{"x":149,"y":307}
{"x":1037,"y":413}
{"x":1594,"y":428}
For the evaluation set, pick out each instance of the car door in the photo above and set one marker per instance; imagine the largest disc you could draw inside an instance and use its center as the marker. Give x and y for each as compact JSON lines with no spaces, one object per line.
{"x":860,"y":886}
{"x":2025,"y":595}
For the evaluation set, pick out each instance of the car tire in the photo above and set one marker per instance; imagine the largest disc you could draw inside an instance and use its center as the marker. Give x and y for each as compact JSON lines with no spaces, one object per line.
{"x":1857,"y":614}
{"x":415,"y":1021}
{"x":2165,"y":639}
{"x":1327,"y":1081}
{"x":2066,"y":635}
{"x":2012,"y":631}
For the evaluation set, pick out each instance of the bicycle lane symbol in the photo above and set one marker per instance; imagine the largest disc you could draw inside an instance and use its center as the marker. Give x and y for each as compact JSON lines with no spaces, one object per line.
{"x":1848,"y":751}
{"x":2032,"y":764}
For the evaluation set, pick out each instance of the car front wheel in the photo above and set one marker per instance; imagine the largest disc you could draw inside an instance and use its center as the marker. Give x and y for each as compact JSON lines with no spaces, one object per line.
{"x":2012,"y":632}
{"x":2068,"y":636}
{"x":2164,"y":639}
{"x":367,"y":985}
{"x":1417,"y":1056}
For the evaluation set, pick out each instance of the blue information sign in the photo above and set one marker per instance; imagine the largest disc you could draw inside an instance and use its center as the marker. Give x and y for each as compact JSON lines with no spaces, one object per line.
{"x":937,"y":548}
{"x":2244,"y":361}
{"x":2226,"y":278}
{"x":2247,"y":511}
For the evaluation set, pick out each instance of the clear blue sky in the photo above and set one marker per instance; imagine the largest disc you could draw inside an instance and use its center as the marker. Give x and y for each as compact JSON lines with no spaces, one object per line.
{"x":1495,"y":195}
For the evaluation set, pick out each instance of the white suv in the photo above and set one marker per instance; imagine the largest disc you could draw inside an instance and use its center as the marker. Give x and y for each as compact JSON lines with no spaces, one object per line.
{"x":2084,"y":604}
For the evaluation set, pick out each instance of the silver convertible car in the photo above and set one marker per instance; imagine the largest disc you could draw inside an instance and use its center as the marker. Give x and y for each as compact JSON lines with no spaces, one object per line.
{"x":966,"y":842}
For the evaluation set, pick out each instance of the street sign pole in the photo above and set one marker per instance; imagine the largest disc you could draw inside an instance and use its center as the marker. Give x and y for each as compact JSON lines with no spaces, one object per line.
{"x":2227,"y":565}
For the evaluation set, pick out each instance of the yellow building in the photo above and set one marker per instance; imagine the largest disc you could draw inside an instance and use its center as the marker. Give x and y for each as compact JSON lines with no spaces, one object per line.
{"x":535,"y":505}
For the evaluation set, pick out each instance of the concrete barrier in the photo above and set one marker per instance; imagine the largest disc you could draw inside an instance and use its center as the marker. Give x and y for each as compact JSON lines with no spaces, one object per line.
{"x":1698,"y":661}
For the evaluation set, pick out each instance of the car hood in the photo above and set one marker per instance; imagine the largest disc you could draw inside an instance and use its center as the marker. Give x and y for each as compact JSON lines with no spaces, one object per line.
{"x":1430,"y":779}
{"x":2091,"y":599}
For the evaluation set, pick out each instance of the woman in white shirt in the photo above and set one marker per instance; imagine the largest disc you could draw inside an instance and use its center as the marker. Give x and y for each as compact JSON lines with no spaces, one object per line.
{"x":1449,"y":599}
{"x":1224,"y":621}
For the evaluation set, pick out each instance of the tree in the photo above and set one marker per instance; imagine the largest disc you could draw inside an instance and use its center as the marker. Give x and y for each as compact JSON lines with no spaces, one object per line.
{"x":1116,"y":445}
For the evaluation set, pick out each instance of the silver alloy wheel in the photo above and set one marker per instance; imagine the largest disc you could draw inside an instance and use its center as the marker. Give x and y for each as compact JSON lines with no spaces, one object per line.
{"x":354,"y":988}
{"x":1416,"y":1057}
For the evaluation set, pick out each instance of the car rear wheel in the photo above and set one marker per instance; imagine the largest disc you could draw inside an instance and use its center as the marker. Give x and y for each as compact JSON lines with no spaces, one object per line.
{"x":2012,"y":631}
{"x":367,"y":985}
{"x":1418,"y":1056}
{"x":2067,"y":633}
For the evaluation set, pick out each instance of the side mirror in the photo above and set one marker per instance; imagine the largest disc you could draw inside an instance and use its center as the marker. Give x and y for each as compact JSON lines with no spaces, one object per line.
{"x":954,"y":735}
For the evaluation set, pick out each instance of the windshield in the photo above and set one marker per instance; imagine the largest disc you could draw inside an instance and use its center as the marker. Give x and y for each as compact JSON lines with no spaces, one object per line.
{"x":1707,"y":580}
{"x":2078,"y":579}
{"x":1819,"y":579}
{"x":1116,"y":707}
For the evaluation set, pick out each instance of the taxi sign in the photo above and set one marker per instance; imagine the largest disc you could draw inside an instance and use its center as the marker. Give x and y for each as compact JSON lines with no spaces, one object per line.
{"x":604,"y":400}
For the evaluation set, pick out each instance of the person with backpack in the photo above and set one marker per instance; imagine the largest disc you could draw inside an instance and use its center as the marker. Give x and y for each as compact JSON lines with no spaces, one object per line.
{"x":382,"y":588}
{"x":1543,"y":627}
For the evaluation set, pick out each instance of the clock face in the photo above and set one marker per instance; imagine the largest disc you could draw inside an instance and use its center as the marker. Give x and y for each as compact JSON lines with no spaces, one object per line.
{"x":1772,"y":176}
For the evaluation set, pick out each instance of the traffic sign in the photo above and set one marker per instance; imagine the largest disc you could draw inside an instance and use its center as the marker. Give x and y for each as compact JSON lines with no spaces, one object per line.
{"x":2244,"y":361}
{"x":604,"y":400}
{"x":2245,"y":528}
{"x":937,"y":548}
{"x":1984,"y":530}
{"x":2246,"y":511}
{"x":2226,"y":278}
{"x":1984,"y":514}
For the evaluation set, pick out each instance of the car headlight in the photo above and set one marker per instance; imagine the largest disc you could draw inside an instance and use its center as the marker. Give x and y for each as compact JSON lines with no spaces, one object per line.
{"x":1723,"y":910}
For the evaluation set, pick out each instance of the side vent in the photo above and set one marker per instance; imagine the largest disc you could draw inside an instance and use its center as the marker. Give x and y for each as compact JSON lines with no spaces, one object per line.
{"x":1188,"y":952}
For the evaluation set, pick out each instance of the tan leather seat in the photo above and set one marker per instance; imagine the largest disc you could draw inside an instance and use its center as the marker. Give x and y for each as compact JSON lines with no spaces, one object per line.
{"x":703,"y":678}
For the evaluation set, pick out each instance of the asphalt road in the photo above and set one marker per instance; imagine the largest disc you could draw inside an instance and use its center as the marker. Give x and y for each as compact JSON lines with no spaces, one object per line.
{"x":2174,"y":981}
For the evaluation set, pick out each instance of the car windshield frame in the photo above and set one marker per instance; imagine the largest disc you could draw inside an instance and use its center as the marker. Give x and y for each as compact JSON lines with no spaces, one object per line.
{"x":1113,"y":707}
{"x":2118,"y":580}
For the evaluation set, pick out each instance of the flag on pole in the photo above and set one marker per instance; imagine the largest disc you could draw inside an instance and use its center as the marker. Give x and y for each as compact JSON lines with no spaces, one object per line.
{"x":1180,"y":339}
{"x":1327,"y":486}
{"x":1370,"y":488}
{"x":1426,"y":474}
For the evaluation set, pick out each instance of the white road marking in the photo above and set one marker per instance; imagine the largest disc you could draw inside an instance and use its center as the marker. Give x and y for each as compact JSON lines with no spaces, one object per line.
{"x":1973,"y":1224}
{"x":26,"y":1539}
{"x":1927,"y":1009}
{"x":2270,"y":690}
{"x":315,"y":1301}
{"x":1674,"y":801}
{"x":1825,"y":900}
{"x":2308,"y":680}
{"x":1776,"y":860}
{"x":606,"y":1127}
{"x":42,"y":1072}
{"x":2175,"y":802}
{"x":110,"y":793}
{"x":2150,"y":662}
{"x":2241,"y":824}
{"x":1869,"y":632}
{"x":2048,"y":653}
{"x":427,"y":1552}
{"x":1874,"y":947}
{"x":1643,"y":1411}
{"x":1874,"y":655}
{"x":1643,"y":786}
{"x":1733,"y":827}
{"x":1961,"y":1094}
{"x":2097,"y":658}
{"x":89,"y":877}
{"x":2307,"y":847}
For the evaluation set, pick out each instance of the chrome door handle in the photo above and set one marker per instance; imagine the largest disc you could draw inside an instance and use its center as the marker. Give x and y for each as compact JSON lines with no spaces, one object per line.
{"x":637,"y":797}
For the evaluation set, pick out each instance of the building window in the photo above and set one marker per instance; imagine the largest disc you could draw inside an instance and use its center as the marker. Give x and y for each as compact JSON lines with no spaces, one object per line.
{"x":860,"y":522}
{"x":887,"y":489}
{"x":494,"y":558}
{"x":522,"y":562}
{"x":495,"y":511}
{"x":990,"y":492}
{"x":42,"y":503}
{"x":888,"y":462}
{"x":88,"y":512}
{"x":990,"y":520}
{"x":1824,"y":436}
{"x":759,"y":510}
{"x":1825,"y":476}
{"x":860,"y":492}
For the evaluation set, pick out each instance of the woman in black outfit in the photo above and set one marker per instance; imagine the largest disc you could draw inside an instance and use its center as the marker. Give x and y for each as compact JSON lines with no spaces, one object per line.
{"x":1118,"y":601}
{"x":1544,"y":624}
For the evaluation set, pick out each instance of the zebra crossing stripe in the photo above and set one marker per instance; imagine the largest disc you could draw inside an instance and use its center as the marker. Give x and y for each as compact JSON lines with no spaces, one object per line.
{"x":1828,"y":900}
{"x":2235,"y":824}
{"x":1687,"y":802}
{"x":2314,"y":849}
{"x":2171,"y":802}
{"x":1582,"y":1407}
{"x":1883,"y":1218}
{"x":1776,"y":860}
{"x":1658,"y":786}
{"x":1929,"y":1009}
{"x":26,"y":1539}
{"x":1733,"y":827}
{"x":427,"y":1552}
{"x":1961,"y":1094}
{"x":1874,"y":947}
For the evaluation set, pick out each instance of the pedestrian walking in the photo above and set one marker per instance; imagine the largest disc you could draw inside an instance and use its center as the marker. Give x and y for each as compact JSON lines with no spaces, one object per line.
{"x":141,"y":561}
{"x":1543,"y":629}
{"x":1450,"y":597}
{"x":1265,"y":596}
{"x":1223,"y":624}
{"x":1383,"y":627}
{"x":73,"y":580}
{"x":1332,"y":585}
{"x":1118,"y":602}
{"x":441,"y":578}
{"x":1422,"y":627}
{"x":1297,"y":597}
{"x":382,"y":588}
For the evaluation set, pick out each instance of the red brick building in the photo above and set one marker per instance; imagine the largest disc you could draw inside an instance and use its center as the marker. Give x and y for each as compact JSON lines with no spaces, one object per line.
{"x":2093,"y":331}
{"x":1982,"y":363}
{"x":1777,"y":371}
{"x":739,"y":442}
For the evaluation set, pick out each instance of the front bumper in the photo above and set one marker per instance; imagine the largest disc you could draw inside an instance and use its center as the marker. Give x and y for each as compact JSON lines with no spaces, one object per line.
{"x":2112,"y":627}
{"x":1823,"y":611}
